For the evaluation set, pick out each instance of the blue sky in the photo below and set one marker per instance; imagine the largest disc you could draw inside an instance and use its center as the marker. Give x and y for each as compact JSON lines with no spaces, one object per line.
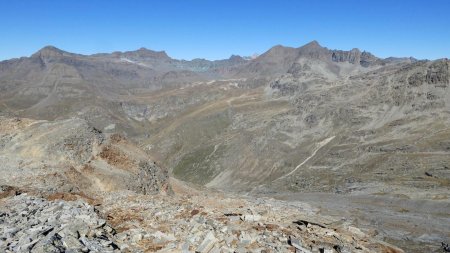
{"x":216,"y":29}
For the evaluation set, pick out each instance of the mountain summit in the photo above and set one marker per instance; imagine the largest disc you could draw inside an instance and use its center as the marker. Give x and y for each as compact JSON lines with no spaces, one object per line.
{"x":50,"y":51}
{"x":144,"y":53}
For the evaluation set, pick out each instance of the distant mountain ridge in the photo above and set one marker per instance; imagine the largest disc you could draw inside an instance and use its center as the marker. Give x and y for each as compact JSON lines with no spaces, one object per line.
{"x":156,"y":66}
{"x":40,"y":83}
{"x":281,"y":59}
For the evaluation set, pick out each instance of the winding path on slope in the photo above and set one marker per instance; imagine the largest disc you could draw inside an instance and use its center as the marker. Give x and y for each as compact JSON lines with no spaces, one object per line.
{"x":319,"y":146}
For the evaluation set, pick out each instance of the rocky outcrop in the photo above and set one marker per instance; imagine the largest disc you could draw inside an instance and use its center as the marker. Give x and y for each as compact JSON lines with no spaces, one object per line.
{"x":150,"y":179}
{"x":355,"y":56}
{"x":143,"y":54}
{"x":435,"y":73}
{"x":72,"y":156}
{"x":438,"y":73}
{"x":32,"y":224}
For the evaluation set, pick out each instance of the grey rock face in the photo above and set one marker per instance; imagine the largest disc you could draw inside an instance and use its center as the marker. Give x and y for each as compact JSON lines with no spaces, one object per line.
{"x":31,"y":224}
{"x":150,"y":179}
{"x":438,"y":73}
{"x":368,"y":59}
{"x":353,"y":56}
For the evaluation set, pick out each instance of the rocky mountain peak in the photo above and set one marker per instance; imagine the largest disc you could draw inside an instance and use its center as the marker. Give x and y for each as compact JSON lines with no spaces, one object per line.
{"x":313,"y":44}
{"x":49,"y":51}
{"x":277,"y":51}
{"x":313,"y":50}
{"x":144,"y":52}
{"x":236,"y":58}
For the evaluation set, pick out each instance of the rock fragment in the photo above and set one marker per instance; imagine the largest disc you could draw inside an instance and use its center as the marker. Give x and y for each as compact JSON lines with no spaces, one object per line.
{"x":207,"y":243}
{"x":298,"y":245}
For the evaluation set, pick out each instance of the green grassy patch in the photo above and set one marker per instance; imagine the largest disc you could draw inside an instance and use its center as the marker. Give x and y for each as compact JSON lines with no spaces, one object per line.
{"x":200,"y":166}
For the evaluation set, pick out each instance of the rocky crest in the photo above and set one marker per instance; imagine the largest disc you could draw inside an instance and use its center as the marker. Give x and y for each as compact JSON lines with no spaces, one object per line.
{"x":355,"y":56}
{"x":50,"y":51}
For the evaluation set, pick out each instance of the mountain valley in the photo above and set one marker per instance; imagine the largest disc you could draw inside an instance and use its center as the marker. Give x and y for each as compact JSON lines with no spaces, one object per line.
{"x":342,"y":150}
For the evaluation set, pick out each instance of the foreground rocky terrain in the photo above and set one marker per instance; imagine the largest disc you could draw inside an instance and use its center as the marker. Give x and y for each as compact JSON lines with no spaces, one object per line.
{"x":199,"y":222}
{"x":363,"y":140}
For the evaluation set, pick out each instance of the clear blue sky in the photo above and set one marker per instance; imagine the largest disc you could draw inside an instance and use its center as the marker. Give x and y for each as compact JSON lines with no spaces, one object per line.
{"x":216,"y":29}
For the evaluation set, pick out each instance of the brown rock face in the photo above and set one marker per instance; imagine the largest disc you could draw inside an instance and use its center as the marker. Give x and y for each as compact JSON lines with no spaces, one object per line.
{"x":79,"y":157}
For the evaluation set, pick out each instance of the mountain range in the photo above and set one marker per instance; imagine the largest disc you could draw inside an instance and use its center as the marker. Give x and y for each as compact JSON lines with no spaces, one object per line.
{"x":307,"y":120}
